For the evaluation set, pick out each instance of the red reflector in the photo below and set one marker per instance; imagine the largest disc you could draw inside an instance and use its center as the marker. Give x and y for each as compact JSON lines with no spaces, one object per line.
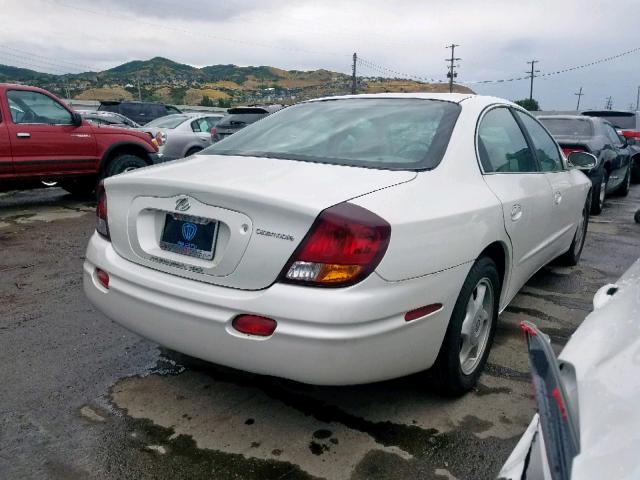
{"x":527,"y":329}
{"x":422,"y":311}
{"x":254,"y":325}
{"x":103,"y":277}
{"x":555,"y":393}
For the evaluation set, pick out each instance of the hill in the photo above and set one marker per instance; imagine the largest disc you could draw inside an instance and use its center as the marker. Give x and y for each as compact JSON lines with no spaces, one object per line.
{"x":162,"y":79}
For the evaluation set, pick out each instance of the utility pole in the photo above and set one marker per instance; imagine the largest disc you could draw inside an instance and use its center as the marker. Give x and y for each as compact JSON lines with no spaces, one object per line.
{"x":532,"y":75}
{"x":579,"y":94}
{"x":353,"y":74}
{"x":139,"y":92}
{"x":609,"y":104}
{"x":638,"y":99}
{"x":451,"y":74}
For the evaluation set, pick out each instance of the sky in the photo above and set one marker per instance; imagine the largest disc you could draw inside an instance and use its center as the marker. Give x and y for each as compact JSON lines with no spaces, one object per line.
{"x":496,"y":39}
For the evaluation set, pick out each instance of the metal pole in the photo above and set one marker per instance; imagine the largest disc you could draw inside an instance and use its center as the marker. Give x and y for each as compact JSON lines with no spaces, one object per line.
{"x":638,"y":99}
{"x":353,"y":75}
{"x":579,"y":94}
{"x":533,"y":63}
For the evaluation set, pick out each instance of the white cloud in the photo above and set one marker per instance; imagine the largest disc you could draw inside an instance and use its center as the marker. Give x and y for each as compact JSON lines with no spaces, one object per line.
{"x":496,"y":37}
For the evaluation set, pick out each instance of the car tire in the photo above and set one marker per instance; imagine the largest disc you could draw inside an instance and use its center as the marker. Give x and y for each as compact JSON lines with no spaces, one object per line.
{"x":572,"y":256}
{"x":81,"y":187}
{"x":456,"y":368}
{"x":599,"y":193}
{"x":623,"y":190}
{"x":192,"y":151}
{"x":124,"y":163}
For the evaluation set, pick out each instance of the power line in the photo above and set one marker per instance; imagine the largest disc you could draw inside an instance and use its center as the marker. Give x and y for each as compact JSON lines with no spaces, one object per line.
{"x":85,"y":68}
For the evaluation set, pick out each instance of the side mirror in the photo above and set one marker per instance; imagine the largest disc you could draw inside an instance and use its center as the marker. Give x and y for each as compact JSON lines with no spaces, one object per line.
{"x":582,"y":160}
{"x":76,"y":119}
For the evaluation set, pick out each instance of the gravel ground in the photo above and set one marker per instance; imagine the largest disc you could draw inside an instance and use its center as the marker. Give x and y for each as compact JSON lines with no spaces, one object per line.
{"x":83,"y":398}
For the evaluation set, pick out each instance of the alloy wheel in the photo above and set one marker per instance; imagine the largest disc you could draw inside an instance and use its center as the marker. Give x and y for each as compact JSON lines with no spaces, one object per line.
{"x":476,"y":326}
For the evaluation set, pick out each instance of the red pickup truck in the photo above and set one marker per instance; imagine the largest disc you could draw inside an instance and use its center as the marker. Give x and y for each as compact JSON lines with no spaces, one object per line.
{"x":42,"y":138}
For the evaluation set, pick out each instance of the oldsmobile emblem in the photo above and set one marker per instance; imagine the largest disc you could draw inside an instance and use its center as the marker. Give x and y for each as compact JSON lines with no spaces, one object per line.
{"x":182,"y":204}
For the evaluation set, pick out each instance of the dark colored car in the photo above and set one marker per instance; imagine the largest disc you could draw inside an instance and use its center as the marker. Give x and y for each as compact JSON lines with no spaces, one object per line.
{"x":629,"y":123}
{"x":110,"y":119}
{"x":42,"y":138}
{"x":139,"y":112}
{"x":239,"y":117}
{"x":612,"y":174}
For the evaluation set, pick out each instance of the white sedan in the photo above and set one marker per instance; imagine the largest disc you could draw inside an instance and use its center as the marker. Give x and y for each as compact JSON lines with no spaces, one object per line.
{"x":588,"y":420}
{"x":344,"y":240}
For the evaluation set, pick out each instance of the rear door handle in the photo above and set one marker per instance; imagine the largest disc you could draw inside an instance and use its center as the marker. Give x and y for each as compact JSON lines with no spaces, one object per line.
{"x":23,"y":134}
{"x":516,"y":212}
{"x":557,"y":198}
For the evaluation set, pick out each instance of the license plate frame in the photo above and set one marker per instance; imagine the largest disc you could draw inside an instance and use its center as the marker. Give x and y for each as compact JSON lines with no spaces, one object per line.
{"x":189,"y":235}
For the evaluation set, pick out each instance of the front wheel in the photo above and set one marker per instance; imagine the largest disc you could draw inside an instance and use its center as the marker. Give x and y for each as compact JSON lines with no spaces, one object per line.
{"x":124,"y":163}
{"x":471,"y":329}
{"x":623,"y":190}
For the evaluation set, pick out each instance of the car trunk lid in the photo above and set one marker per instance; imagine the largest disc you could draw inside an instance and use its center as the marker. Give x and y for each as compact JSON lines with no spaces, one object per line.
{"x":264,"y":208}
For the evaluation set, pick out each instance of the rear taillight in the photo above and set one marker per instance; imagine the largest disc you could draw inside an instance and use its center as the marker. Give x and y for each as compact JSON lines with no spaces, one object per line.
{"x":102,"y":222}
{"x":569,"y":151}
{"x":214,"y":132}
{"x":103,"y":278}
{"x":345,"y":244}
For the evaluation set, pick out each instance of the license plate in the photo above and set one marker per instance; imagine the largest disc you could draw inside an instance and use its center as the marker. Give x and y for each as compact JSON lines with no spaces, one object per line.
{"x":187,"y":235}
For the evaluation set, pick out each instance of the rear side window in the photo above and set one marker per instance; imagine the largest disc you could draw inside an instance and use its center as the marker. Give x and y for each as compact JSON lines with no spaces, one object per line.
{"x":501,"y":144}
{"x":545,"y":147}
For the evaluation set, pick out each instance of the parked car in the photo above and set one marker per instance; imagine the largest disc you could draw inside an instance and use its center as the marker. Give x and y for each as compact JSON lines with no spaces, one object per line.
{"x":109,"y":119}
{"x":41,"y":138}
{"x":628,"y":122}
{"x":343,"y":240}
{"x":182,"y":134}
{"x":239,"y":117}
{"x":587,"y":423}
{"x":612,"y":174}
{"x":139,"y":112}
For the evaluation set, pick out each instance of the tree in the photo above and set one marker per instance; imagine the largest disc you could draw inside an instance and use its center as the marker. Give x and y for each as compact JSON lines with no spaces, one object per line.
{"x":206,"y":102}
{"x":528,"y":104}
{"x":222,"y":103}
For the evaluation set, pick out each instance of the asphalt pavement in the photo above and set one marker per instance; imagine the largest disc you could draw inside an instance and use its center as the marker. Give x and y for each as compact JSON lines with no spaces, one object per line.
{"x":80,"y":397}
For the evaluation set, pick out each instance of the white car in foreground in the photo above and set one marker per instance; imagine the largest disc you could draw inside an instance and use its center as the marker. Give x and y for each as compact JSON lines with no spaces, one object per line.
{"x":588,"y":423}
{"x":341,"y":241}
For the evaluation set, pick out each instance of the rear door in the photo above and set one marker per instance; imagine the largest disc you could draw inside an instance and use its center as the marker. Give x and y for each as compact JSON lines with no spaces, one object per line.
{"x":511,"y":172}
{"x":44,"y":140}
{"x":566,"y":185}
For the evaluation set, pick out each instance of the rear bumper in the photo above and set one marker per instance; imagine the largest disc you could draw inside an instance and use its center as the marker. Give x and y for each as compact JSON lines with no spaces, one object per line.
{"x":324,"y":336}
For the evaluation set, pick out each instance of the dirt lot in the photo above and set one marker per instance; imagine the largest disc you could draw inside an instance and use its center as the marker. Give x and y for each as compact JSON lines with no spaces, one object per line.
{"x":81,"y":397}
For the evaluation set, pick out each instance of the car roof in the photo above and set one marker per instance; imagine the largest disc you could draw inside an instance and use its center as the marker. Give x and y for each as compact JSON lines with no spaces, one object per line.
{"x":571,"y":117}
{"x":450,"y":97}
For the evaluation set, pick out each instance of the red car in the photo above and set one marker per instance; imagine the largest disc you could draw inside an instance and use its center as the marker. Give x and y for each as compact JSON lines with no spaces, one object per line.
{"x":42,"y":138}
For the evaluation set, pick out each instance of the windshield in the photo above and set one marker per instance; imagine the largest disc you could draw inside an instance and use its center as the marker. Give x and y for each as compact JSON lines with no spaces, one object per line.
{"x":170,"y":121}
{"x":388,"y":133}
{"x":568,"y":126}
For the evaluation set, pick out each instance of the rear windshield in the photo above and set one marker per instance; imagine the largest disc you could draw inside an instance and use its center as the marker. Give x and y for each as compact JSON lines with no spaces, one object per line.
{"x":624,"y":120}
{"x":568,"y":126}
{"x":171,"y":121}
{"x":240,"y":120}
{"x":109,"y":107}
{"x":386,"y":133}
